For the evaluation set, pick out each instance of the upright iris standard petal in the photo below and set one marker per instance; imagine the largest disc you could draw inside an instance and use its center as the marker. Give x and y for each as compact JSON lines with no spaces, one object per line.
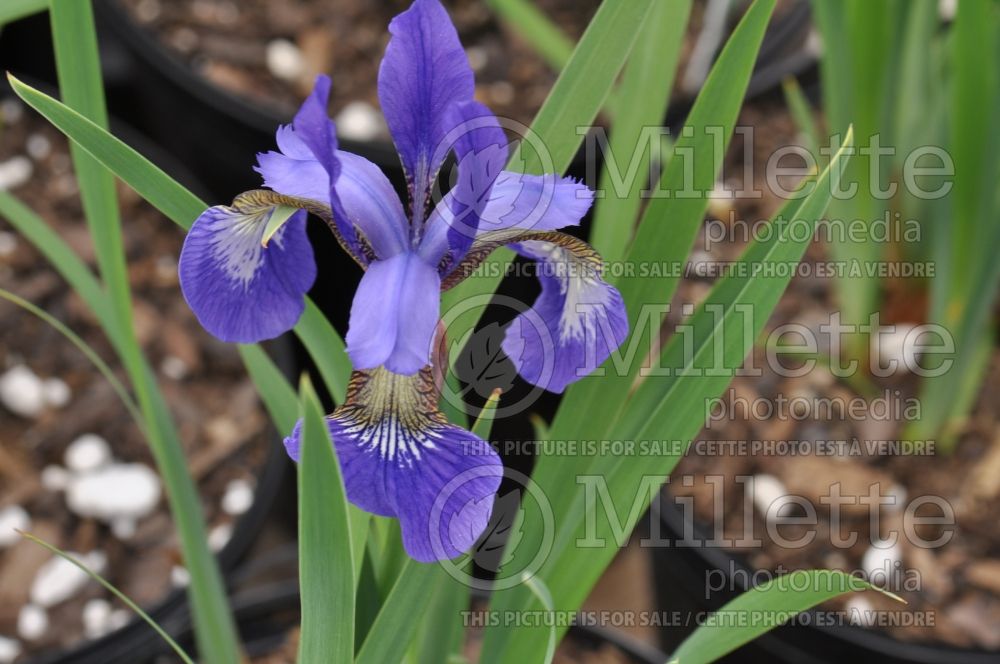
{"x":575,"y":324}
{"x":367,"y":198}
{"x":316,"y":132}
{"x":394,"y":315}
{"x":401,"y":458}
{"x":423,"y":73}
{"x":481,"y":150}
{"x":239,"y":289}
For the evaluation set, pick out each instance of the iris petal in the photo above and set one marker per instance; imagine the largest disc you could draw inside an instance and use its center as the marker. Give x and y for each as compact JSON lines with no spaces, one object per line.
{"x":400,"y":458}
{"x":366,"y":196}
{"x":423,"y":73}
{"x":575,"y":324}
{"x":394,"y":315}
{"x":239,"y":290}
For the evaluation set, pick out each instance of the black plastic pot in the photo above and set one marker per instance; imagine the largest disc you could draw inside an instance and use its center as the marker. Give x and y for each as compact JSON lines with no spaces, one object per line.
{"x":680,"y":574}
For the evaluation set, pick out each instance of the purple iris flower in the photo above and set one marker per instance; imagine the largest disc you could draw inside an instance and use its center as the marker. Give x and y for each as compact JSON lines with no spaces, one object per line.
{"x":245,"y":270}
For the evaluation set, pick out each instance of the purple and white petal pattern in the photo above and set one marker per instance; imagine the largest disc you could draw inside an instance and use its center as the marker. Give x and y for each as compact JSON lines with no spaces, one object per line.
{"x":400,"y":458}
{"x":423,"y":73}
{"x":394,"y":315}
{"x":575,"y":324}
{"x":368,"y":199}
{"x":240,"y":290}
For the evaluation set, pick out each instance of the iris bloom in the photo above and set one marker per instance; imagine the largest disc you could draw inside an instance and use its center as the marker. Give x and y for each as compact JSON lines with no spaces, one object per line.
{"x":245,"y":270}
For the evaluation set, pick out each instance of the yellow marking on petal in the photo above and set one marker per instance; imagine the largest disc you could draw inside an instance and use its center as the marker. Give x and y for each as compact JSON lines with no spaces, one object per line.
{"x":279,"y":216}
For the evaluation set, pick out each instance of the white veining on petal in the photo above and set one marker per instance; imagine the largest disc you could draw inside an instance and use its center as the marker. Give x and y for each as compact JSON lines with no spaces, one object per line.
{"x":583,"y":298}
{"x":238,"y":248}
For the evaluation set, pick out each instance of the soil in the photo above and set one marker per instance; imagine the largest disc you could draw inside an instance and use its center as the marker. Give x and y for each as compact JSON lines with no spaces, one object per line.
{"x":956,"y":586}
{"x":227,"y":43}
{"x":220,"y":422}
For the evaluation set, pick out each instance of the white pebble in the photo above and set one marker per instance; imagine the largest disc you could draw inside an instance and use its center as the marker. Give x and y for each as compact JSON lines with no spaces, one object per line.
{"x":87,"y":453}
{"x":860,"y":611}
{"x":880,"y":563}
{"x":123,"y":527}
{"x":179,"y":576}
{"x":38,"y":146}
{"x":22,"y":392}
{"x":8,"y":244}
{"x":898,"y":493}
{"x":11,"y":110}
{"x":15,"y":171}
{"x":477,"y":57}
{"x":59,"y":579}
{"x":118,"y":619}
{"x":57,"y":392}
{"x":11,"y":518}
{"x":10,"y":649}
{"x":359,"y":121}
{"x":238,"y":497}
{"x":766,"y":491}
{"x":219,"y":536}
{"x":55,"y":478}
{"x":174,"y":367}
{"x":892,"y":348}
{"x":96,"y":613}
{"x":947,"y":9}
{"x":126,"y":490}
{"x":284,"y":60}
{"x":32,"y":622}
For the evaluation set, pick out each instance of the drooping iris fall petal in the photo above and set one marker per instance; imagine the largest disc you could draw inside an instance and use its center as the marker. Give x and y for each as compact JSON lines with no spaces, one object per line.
{"x":240,"y":290}
{"x":401,"y":458}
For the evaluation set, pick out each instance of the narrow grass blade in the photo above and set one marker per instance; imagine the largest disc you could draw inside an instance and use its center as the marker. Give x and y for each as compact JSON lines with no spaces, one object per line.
{"x":84,"y":348}
{"x":802,"y":113}
{"x":326,"y":566}
{"x":484,"y":423}
{"x":544,"y":597}
{"x":443,"y":631}
{"x":641,"y":104}
{"x":117,"y":593}
{"x":763,"y":608}
{"x":537,"y":29}
{"x":79,"y":71}
{"x":394,"y":628}
{"x":12,"y":10}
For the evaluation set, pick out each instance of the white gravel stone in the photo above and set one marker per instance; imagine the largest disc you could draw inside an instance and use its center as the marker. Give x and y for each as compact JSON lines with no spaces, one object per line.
{"x":12,"y":517}
{"x":284,"y":60}
{"x":768,"y":494}
{"x":219,"y":536}
{"x":96,"y":613}
{"x":8,"y":244}
{"x":891,"y":347}
{"x":179,"y":576}
{"x":123,"y":527}
{"x":118,"y":619}
{"x":59,"y":579}
{"x":238,"y":497}
{"x":32,"y":622}
{"x":174,"y":367}
{"x":22,"y":392}
{"x":360,"y":121}
{"x":15,"y":171}
{"x":125,"y":490}
{"x":10,"y":649}
{"x":860,"y":611}
{"x":57,"y":392}
{"x":87,"y":453}
{"x":38,"y":146}
{"x":880,"y":563}
{"x":11,"y":111}
{"x":55,"y":478}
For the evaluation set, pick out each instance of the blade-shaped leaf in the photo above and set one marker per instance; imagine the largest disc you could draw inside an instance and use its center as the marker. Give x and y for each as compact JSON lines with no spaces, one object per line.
{"x":394,"y":628}
{"x":763,"y":608}
{"x":326,"y":565}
